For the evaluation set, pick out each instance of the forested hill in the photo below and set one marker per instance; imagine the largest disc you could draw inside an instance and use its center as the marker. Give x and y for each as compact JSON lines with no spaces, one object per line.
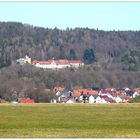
{"x":17,"y":40}
{"x":114,"y":57}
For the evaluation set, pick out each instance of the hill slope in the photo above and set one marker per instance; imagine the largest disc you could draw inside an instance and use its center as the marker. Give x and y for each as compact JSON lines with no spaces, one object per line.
{"x":17,"y":40}
{"x":117,"y":55}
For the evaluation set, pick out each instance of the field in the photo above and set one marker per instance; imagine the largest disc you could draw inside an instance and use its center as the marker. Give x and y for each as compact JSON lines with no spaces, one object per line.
{"x":70,"y":121}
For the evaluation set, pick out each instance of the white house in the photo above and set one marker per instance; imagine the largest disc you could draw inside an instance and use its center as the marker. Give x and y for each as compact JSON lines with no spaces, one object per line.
{"x":70,"y":101}
{"x":91,"y":99}
{"x":25,"y":60}
{"x":101,"y":100}
{"x":58,"y":64}
{"x":80,"y":98}
{"x":135,"y":94}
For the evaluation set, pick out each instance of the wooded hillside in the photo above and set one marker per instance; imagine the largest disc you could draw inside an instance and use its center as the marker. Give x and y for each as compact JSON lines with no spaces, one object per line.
{"x":114,"y":58}
{"x":17,"y":40}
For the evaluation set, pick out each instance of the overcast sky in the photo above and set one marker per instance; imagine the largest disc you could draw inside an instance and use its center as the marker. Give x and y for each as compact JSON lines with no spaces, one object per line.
{"x":101,"y":15}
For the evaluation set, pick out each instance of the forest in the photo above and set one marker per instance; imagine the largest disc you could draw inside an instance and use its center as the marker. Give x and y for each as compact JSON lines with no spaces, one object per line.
{"x":112,"y":58}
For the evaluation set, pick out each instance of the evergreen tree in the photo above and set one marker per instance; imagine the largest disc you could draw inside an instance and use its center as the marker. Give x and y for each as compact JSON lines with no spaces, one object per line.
{"x":89,"y":56}
{"x":72,"y":55}
{"x":62,"y":53}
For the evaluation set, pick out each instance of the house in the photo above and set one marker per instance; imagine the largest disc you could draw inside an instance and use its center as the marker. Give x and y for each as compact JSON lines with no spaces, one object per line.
{"x":58,"y":64}
{"x":117,"y":98}
{"x":103,"y":92}
{"x":63,"y":96}
{"x":70,"y":101}
{"x":25,"y":60}
{"x":109,"y":100}
{"x":104,"y":99}
{"x":80,"y":98}
{"x":63,"y":99}
{"x":54,"y":101}
{"x":99,"y":99}
{"x":124,"y":98}
{"x":135,"y":94}
{"x":137,"y":90}
{"x":91,"y":99}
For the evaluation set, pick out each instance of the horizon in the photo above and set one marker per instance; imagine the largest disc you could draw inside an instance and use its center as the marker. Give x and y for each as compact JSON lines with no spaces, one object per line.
{"x":69,"y":28}
{"x":107,"y":16}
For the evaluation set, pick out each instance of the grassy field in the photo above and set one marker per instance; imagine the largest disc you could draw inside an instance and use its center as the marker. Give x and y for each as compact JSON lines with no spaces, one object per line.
{"x":70,"y":121}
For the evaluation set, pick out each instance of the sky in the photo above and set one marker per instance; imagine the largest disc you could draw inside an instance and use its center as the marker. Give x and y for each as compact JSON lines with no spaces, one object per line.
{"x":101,"y":15}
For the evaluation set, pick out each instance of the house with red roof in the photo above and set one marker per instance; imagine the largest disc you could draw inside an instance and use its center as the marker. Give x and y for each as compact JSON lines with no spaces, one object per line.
{"x":116,"y":98}
{"x":58,"y":64}
{"x":104,"y":99}
{"x":27,"y":101}
{"x":100,"y":100}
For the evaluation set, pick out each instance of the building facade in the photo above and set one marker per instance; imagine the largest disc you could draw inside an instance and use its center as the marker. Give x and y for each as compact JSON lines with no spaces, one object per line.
{"x":58,"y":64}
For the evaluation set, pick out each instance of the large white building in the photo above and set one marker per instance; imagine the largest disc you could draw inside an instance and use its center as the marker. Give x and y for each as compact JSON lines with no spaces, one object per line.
{"x":58,"y":64}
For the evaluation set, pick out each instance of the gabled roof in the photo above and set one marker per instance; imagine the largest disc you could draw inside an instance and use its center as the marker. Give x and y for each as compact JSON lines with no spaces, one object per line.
{"x":110,"y":100}
{"x":95,"y":95}
{"x":103,"y":96}
{"x":72,"y":99}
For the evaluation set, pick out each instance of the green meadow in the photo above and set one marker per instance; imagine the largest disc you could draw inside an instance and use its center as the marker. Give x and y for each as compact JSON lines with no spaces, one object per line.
{"x":70,"y":120}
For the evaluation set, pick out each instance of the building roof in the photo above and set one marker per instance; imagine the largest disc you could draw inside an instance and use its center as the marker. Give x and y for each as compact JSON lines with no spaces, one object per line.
{"x":110,"y":100}
{"x":95,"y":95}
{"x":60,"y":62}
{"x":87,"y":91}
{"x":111,"y":89}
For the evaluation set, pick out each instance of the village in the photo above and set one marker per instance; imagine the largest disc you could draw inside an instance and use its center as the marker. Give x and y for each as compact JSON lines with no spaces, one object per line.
{"x":89,"y":95}
{"x":94,"y":95}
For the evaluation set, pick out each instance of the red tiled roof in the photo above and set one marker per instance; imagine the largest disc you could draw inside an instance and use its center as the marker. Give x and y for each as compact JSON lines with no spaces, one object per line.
{"x":77,"y":93}
{"x":60,"y":61}
{"x":75,"y":61}
{"x":27,"y":101}
{"x":43,"y":62}
{"x":86,"y":91}
{"x":111,"y":89}
{"x":104,"y":91}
